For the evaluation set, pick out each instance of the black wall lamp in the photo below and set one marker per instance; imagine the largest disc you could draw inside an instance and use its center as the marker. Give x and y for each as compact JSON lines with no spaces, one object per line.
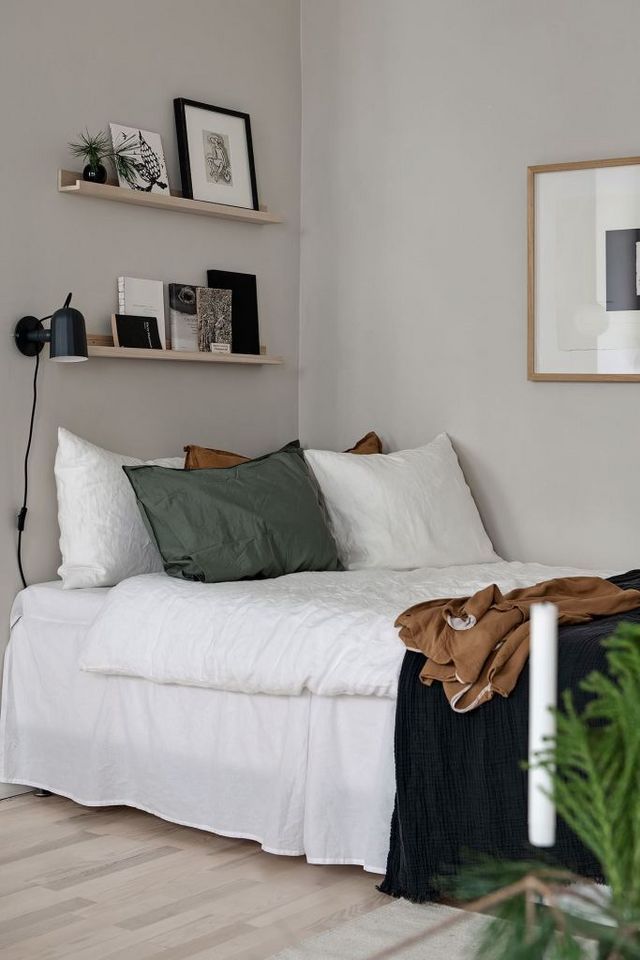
{"x":66,"y":335}
{"x":67,"y":339}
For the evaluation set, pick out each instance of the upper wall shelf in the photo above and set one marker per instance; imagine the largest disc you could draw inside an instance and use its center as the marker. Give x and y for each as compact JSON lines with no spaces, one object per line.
{"x":72,"y":183}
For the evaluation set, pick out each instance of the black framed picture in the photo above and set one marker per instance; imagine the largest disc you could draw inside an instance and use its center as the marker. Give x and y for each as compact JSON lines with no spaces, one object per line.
{"x":245,"y":336}
{"x":216,"y":154}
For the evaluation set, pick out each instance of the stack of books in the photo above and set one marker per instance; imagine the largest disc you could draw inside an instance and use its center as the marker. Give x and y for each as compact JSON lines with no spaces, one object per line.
{"x":219,"y":318}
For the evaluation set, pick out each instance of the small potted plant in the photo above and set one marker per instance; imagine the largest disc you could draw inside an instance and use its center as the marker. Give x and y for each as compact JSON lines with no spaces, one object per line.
{"x":94,"y":149}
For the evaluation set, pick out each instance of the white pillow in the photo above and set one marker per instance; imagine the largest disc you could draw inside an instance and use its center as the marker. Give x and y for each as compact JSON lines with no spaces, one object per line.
{"x":102,"y":537}
{"x":401,"y":510}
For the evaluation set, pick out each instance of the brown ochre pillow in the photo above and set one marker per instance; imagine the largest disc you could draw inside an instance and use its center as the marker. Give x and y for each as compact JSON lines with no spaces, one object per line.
{"x":201,"y":458}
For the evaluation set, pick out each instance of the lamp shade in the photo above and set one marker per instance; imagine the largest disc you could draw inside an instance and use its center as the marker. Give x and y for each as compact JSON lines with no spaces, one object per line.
{"x":68,"y":336}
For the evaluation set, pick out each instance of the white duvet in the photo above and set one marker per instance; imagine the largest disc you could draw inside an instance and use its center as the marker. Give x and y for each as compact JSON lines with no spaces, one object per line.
{"x":330,"y":633}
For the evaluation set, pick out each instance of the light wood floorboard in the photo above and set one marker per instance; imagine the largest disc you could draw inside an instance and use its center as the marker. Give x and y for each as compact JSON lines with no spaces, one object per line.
{"x":111,"y":883}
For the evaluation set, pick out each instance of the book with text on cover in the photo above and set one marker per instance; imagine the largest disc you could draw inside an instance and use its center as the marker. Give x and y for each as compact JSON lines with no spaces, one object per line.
{"x":143,"y":298}
{"x":132,"y":331}
{"x":244,"y":307}
{"x":200,"y":318}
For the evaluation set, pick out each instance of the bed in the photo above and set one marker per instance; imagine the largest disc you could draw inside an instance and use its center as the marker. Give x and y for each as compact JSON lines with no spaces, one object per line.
{"x":137,"y":695}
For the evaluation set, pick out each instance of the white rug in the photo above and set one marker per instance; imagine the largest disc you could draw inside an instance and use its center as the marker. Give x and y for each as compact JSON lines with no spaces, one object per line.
{"x":387,"y":926}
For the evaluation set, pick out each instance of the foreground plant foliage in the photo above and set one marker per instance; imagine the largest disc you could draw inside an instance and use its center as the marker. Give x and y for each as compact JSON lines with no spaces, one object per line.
{"x":542,"y":912}
{"x":595,"y":765}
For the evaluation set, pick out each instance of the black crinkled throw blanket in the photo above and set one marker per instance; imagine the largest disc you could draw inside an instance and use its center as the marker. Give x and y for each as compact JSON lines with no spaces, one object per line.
{"x":459,"y":782}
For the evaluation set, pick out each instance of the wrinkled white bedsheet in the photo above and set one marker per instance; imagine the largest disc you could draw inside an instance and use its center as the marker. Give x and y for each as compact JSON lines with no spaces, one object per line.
{"x":330,"y":633}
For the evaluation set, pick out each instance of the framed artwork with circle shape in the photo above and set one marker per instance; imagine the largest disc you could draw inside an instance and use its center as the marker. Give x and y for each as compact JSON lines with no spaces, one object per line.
{"x":216,"y":154}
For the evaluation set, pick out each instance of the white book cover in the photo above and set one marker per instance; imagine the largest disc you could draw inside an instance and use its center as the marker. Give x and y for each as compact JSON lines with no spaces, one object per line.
{"x":143,"y":298}
{"x":147,"y":168}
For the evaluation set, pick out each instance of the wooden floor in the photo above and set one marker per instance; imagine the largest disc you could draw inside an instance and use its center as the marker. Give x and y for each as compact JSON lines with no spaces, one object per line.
{"x":110,"y":882}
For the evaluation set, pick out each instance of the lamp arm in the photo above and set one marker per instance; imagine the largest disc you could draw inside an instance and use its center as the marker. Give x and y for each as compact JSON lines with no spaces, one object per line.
{"x":39,"y":336}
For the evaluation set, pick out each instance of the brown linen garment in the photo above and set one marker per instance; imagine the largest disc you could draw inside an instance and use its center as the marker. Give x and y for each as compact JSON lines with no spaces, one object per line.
{"x":476,"y":646}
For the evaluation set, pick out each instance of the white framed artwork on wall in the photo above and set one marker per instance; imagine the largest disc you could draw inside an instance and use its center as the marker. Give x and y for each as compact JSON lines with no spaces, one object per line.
{"x":584,"y":270}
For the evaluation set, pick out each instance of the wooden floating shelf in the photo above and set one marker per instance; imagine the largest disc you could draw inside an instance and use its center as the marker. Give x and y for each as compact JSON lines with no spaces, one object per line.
{"x":71,"y":183}
{"x":103,"y":347}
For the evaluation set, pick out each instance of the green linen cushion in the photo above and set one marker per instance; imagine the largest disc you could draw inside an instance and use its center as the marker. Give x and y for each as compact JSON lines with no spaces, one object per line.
{"x":263,"y":518}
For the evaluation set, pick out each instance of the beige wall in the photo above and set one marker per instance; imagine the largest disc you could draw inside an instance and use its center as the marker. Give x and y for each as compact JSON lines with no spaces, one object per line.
{"x":419,"y":120}
{"x":69,"y":64}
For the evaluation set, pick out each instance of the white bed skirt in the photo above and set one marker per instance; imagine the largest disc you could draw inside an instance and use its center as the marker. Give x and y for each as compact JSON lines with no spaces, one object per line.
{"x":300,"y":775}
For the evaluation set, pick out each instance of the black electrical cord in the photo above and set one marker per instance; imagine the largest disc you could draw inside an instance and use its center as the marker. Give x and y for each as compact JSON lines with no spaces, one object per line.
{"x":22,"y":516}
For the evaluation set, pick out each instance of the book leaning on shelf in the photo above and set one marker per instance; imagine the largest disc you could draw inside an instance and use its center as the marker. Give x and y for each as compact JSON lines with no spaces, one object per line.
{"x":139,"y":298}
{"x":200,"y":318}
{"x":139,"y":332}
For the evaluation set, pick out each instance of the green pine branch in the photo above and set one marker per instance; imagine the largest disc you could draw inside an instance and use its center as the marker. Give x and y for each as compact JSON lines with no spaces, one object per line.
{"x":91,"y":148}
{"x":594,"y":764}
{"x":95,"y":149}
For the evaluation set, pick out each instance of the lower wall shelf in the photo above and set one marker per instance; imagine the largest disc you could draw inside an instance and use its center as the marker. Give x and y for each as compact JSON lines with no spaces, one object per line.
{"x":103,"y":347}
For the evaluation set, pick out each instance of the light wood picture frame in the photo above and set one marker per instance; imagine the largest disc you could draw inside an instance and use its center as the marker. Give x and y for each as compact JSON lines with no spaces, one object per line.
{"x":583,"y":266}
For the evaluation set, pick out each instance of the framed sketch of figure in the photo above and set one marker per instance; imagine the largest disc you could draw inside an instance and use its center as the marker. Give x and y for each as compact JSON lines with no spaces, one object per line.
{"x":216,"y":154}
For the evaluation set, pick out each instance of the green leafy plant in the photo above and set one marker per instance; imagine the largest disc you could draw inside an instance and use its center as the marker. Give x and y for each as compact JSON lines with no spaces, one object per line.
{"x":91,"y":148}
{"x":541,"y":912}
{"x":597,"y":753}
{"x":594,"y":762}
{"x":95,"y":149}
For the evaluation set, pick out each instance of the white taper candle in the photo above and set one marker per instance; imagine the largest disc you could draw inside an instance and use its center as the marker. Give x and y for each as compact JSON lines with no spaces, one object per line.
{"x":543,"y":694}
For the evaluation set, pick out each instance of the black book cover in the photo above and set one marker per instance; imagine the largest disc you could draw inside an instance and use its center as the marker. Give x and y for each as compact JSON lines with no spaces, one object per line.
{"x":245,"y":336}
{"x":134,"y":331}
